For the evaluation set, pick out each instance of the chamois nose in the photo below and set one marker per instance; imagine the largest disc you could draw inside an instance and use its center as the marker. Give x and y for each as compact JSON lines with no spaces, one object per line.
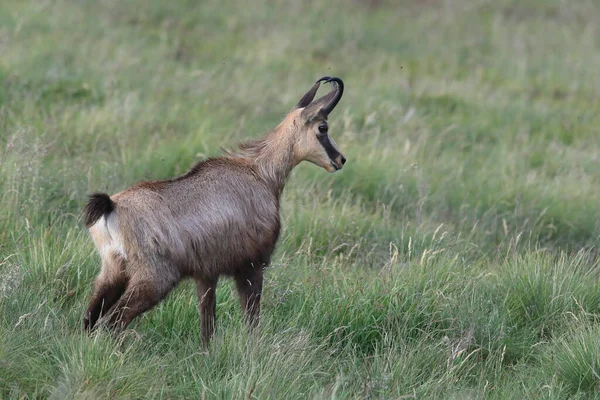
{"x":343,"y":160}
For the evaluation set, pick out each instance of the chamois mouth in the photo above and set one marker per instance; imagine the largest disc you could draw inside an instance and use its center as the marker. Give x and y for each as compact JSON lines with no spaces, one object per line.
{"x":335,"y":166}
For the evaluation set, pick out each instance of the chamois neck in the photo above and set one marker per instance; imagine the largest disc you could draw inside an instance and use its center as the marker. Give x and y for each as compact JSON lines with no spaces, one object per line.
{"x":276,"y":161}
{"x":273,"y":155}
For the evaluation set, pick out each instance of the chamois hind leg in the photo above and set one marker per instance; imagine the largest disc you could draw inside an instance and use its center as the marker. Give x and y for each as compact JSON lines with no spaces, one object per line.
{"x":108,"y":288}
{"x":249,"y":285}
{"x":144,"y":291}
{"x":207,"y":305}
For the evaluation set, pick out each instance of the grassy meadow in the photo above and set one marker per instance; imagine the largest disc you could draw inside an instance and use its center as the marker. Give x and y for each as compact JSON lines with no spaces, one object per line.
{"x":454,"y":257}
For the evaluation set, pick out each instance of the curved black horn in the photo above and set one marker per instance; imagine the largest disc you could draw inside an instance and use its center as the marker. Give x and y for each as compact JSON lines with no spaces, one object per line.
{"x":336,"y":94}
{"x":310,"y":95}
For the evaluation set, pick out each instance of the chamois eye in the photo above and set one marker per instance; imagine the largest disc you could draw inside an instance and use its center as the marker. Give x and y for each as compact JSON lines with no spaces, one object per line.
{"x":323,"y":128}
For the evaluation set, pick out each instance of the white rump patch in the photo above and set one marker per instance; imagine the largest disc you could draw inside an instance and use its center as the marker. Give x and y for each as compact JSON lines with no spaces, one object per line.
{"x":107,"y":237}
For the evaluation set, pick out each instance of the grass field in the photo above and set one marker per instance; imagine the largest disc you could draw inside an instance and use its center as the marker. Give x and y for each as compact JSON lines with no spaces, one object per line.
{"x":454,"y":257}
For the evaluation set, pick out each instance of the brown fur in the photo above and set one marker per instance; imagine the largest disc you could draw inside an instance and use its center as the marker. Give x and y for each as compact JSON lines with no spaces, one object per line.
{"x":220,"y":218}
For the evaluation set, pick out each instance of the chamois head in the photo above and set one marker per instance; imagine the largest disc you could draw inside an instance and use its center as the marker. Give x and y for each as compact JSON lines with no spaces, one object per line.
{"x":313,"y":142}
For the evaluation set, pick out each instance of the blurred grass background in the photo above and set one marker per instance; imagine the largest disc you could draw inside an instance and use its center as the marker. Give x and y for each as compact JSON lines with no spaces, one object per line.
{"x":454,"y":256}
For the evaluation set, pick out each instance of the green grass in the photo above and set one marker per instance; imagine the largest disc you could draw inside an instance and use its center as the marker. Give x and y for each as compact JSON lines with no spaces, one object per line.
{"x":455,"y":256}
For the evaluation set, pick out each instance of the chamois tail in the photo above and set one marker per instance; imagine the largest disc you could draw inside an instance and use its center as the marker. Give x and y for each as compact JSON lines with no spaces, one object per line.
{"x":98,"y":205}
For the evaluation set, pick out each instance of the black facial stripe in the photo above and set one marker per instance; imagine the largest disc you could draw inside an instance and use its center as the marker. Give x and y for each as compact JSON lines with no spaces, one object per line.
{"x":329,"y":149}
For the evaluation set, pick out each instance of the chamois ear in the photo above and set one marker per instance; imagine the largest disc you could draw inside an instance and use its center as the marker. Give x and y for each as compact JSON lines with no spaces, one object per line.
{"x":310,"y":95}
{"x":327,"y":103}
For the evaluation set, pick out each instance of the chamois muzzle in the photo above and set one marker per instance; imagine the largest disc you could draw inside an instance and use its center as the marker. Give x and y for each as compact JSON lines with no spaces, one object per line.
{"x":338,"y":163}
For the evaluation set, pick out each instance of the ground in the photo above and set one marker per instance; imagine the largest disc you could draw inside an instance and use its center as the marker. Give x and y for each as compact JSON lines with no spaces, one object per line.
{"x":454,"y":256}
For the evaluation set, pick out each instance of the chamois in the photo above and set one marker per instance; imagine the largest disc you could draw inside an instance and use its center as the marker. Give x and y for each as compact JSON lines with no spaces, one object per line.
{"x":219,"y":218}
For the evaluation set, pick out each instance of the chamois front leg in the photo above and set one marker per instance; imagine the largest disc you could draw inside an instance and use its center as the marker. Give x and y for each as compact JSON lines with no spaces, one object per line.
{"x":249,"y":285}
{"x":207,"y":305}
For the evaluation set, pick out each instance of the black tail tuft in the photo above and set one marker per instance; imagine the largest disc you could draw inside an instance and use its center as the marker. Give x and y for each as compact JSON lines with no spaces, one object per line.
{"x":98,"y":205}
